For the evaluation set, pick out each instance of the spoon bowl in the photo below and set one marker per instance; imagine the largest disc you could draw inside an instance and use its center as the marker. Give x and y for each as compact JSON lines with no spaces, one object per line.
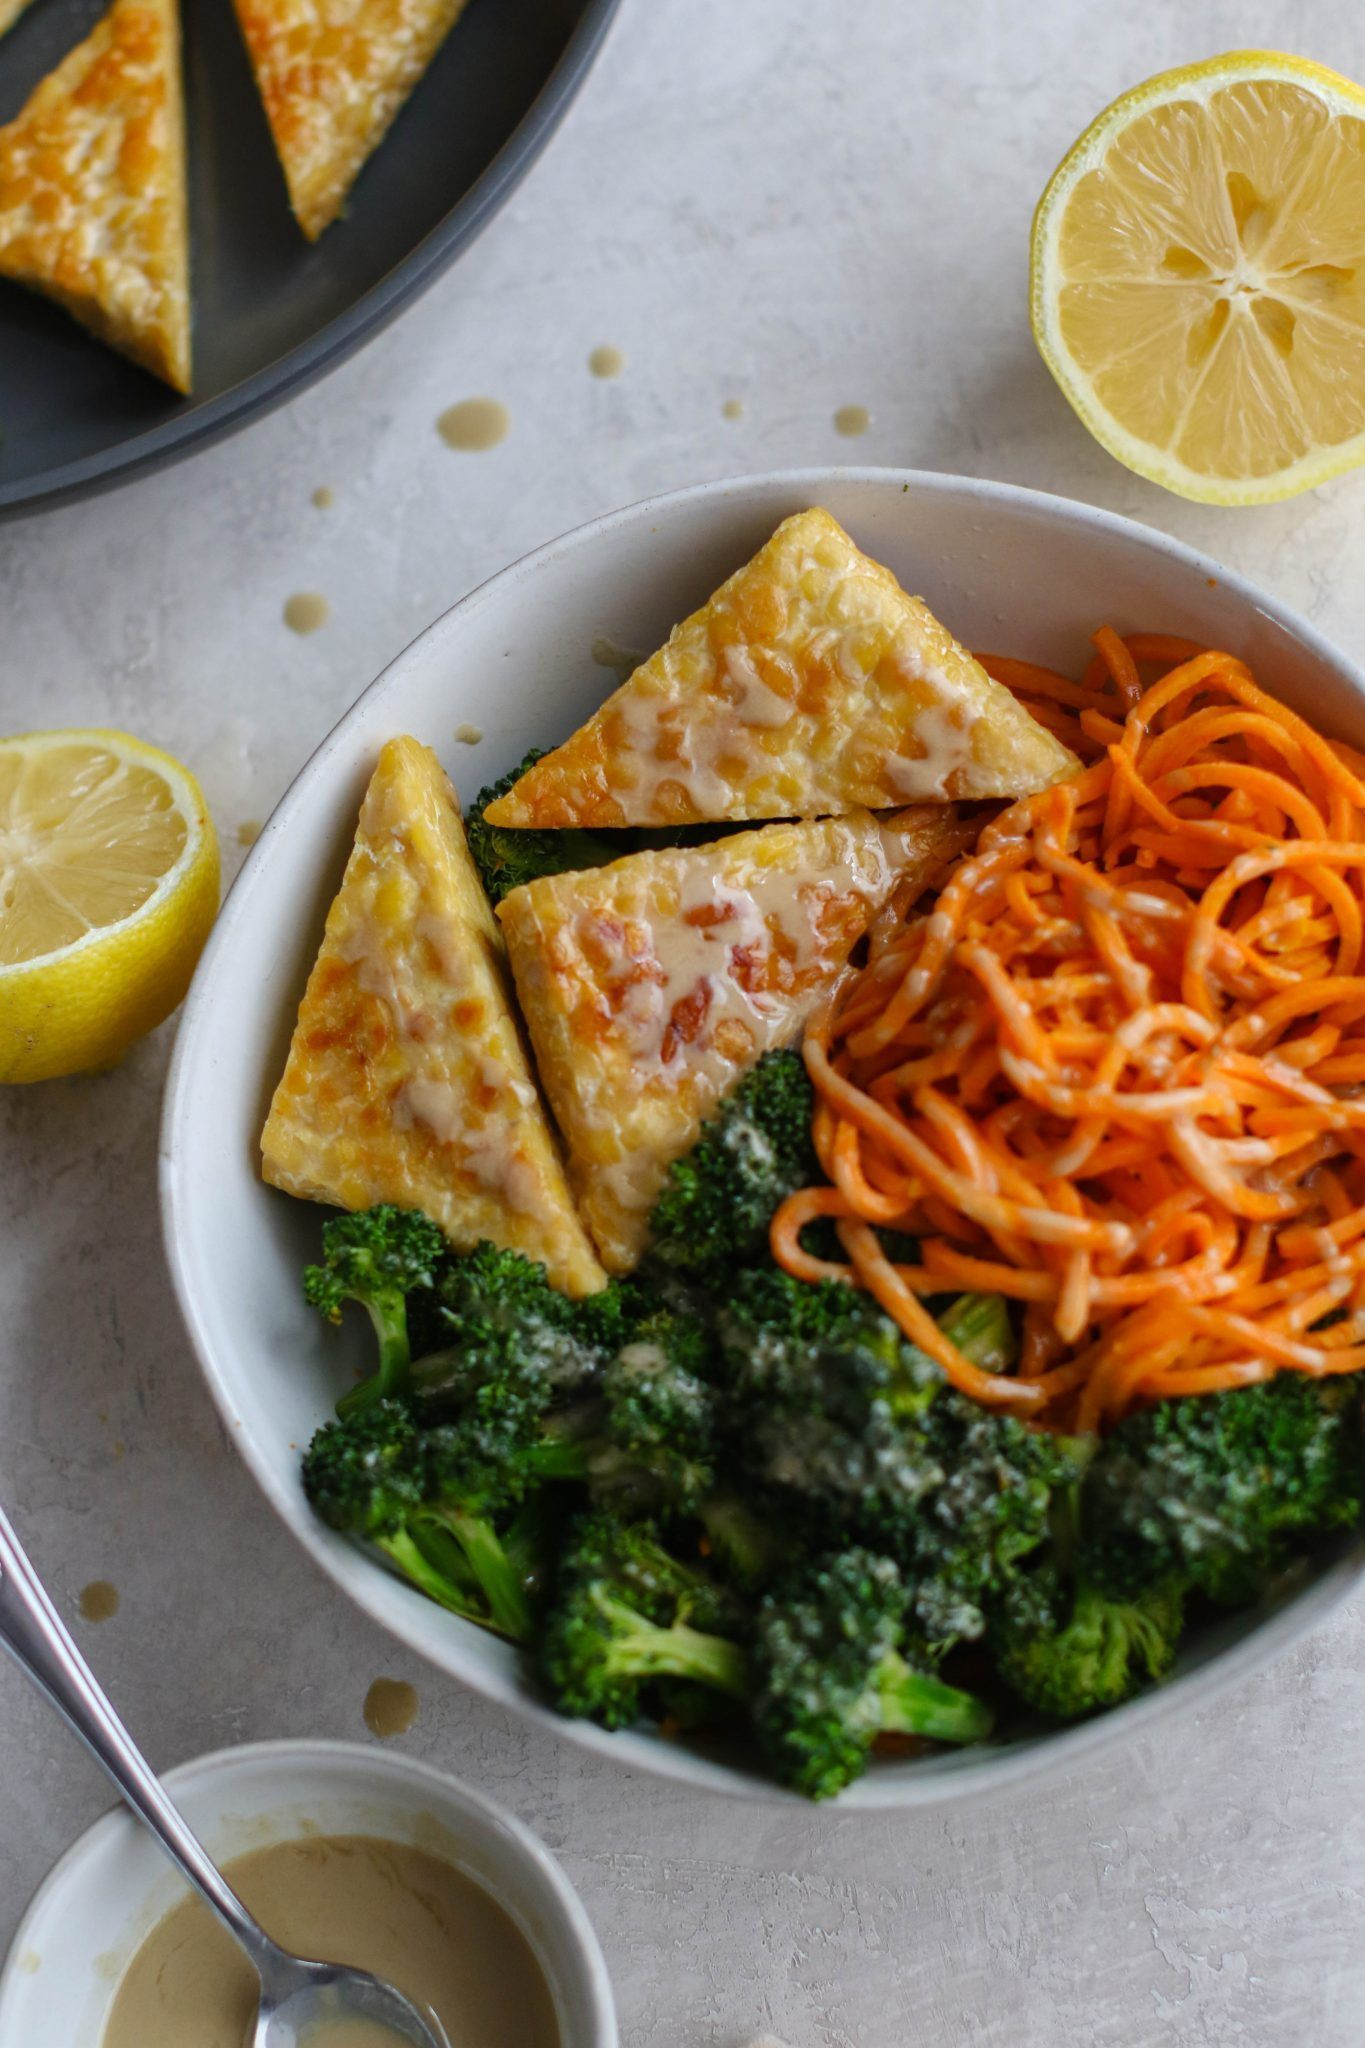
{"x":299,"y":1998}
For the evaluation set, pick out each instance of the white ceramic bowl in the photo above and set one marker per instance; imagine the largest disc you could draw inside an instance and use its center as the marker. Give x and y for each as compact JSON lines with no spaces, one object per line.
{"x":1008,"y":570}
{"x":101,"y":1901}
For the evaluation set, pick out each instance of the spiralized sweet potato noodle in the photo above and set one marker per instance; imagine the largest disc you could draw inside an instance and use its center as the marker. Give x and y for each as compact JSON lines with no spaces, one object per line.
{"x":1117,"y":1071}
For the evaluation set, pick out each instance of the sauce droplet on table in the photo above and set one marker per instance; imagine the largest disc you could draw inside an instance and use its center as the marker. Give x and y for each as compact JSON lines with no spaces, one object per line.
{"x":474,"y":424}
{"x":606,"y":362}
{"x":305,"y":611}
{"x":852,"y":419}
{"x":98,"y":1601}
{"x":390,"y":1707}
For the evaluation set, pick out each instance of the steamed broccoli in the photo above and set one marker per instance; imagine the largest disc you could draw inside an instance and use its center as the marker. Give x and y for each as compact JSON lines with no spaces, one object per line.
{"x":844,"y":1414}
{"x":793,"y":1347}
{"x":644,"y":1443}
{"x":1068,"y":1649}
{"x":627,"y":1617}
{"x":835,"y":1668}
{"x":719,"y":1199}
{"x":509,"y":1339}
{"x":436,"y":1502}
{"x":655,"y":1446}
{"x":508,"y":856}
{"x":376,"y":1257}
{"x":966,"y":1540}
{"x":1214,"y":1489}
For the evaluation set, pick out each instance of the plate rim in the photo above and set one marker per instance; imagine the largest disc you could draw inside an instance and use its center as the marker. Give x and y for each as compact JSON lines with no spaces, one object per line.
{"x":324,"y":351}
{"x":911,"y":1789}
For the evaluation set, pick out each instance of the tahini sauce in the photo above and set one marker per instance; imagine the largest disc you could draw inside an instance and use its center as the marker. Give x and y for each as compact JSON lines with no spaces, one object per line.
{"x":383,"y":1906}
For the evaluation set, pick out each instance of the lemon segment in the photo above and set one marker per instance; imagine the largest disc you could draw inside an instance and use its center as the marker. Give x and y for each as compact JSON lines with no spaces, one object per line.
{"x":1198,"y":277}
{"x":108,"y":887}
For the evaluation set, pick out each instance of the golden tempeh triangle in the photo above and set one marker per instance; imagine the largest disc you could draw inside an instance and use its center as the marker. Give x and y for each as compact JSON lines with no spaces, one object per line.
{"x":332,"y":75}
{"x":809,"y":684}
{"x":407,"y":1080}
{"x":93,"y":208}
{"x":651,"y":986}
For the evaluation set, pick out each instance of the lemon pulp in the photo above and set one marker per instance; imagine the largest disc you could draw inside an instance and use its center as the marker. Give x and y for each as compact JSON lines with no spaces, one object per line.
{"x":108,"y":886}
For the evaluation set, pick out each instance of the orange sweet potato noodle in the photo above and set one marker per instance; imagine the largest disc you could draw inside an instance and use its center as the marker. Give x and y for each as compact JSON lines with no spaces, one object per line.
{"x":1117,"y":1072}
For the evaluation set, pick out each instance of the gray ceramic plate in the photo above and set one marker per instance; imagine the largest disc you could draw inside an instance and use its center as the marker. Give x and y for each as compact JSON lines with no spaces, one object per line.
{"x":271,"y":311}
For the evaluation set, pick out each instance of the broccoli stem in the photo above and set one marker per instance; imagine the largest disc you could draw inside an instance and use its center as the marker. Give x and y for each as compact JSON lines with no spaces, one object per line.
{"x":913,"y":1704}
{"x":412,"y":1561}
{"x":642,"y":1650}
{"x":979,"y":1325}
{"x":557,"y":1457}
{"x":388,"y":1312}
{"x":509,"y":1607}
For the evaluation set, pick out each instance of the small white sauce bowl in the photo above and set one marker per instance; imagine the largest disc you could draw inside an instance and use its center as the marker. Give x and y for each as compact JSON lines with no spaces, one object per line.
{"x":104,"y":1897}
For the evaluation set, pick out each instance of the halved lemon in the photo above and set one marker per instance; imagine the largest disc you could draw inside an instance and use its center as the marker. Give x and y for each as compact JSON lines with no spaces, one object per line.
{"x":1198,"y":277}
{"x":108,"y":887}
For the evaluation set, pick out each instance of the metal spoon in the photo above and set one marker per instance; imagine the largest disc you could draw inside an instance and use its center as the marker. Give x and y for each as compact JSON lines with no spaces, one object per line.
{"x":296,"y":1996}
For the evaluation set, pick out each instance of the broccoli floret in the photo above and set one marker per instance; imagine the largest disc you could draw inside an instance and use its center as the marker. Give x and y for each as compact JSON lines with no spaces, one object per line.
{"x":507,"y":856}
{"x":718,"y":1200}
{"x":818,"y":1349}
{"x":376,"y":1257}
{"x":1214,"y":1489}
{"x":1068,"y":1649}
{"x":644,"y":1444}
{"x":858,"y":1424}
{"x":835,"y":1668}
{"x":966,"y":1539}
{"x":826,"y":1396}
{"x":656,"y":1449}
{"x":628,"y":1616}
{"x":432,"y":1500}
{"x":511,"y":1340}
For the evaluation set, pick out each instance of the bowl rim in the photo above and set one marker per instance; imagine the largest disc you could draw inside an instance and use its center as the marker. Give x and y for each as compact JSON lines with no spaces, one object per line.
{"x":264,"y":389}
{"x":911,"y":1788}
{"x":361,"y":1761}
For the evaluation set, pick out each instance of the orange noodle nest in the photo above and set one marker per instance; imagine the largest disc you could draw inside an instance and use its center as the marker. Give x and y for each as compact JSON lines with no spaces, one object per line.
{"x":1116,"y":1072}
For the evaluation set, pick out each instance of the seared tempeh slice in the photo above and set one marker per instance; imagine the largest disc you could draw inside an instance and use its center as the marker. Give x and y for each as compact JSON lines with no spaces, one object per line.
{"x":650,"y":986}
{"x":332,"y":75}
{"x":407,"y":1080}
{"x":809,"y":684}
{"x":93,"y":207}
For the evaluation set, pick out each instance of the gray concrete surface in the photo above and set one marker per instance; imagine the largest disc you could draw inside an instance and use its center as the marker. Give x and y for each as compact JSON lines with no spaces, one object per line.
{"x":801,"y":206}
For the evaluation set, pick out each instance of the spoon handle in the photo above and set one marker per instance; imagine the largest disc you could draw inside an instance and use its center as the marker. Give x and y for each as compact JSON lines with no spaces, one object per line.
{"x":36,"y":1637}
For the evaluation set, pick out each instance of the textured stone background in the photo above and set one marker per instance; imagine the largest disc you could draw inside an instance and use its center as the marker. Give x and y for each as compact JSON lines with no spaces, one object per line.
{"x":802,"y":206}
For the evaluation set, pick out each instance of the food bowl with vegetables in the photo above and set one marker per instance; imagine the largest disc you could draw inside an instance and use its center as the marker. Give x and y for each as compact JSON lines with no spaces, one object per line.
{"x":841,"y":1274}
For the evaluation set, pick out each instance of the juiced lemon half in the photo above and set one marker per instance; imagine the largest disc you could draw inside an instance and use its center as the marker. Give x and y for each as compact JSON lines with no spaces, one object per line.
{"x":108,"y":887}
{"x":1198,"y":277}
